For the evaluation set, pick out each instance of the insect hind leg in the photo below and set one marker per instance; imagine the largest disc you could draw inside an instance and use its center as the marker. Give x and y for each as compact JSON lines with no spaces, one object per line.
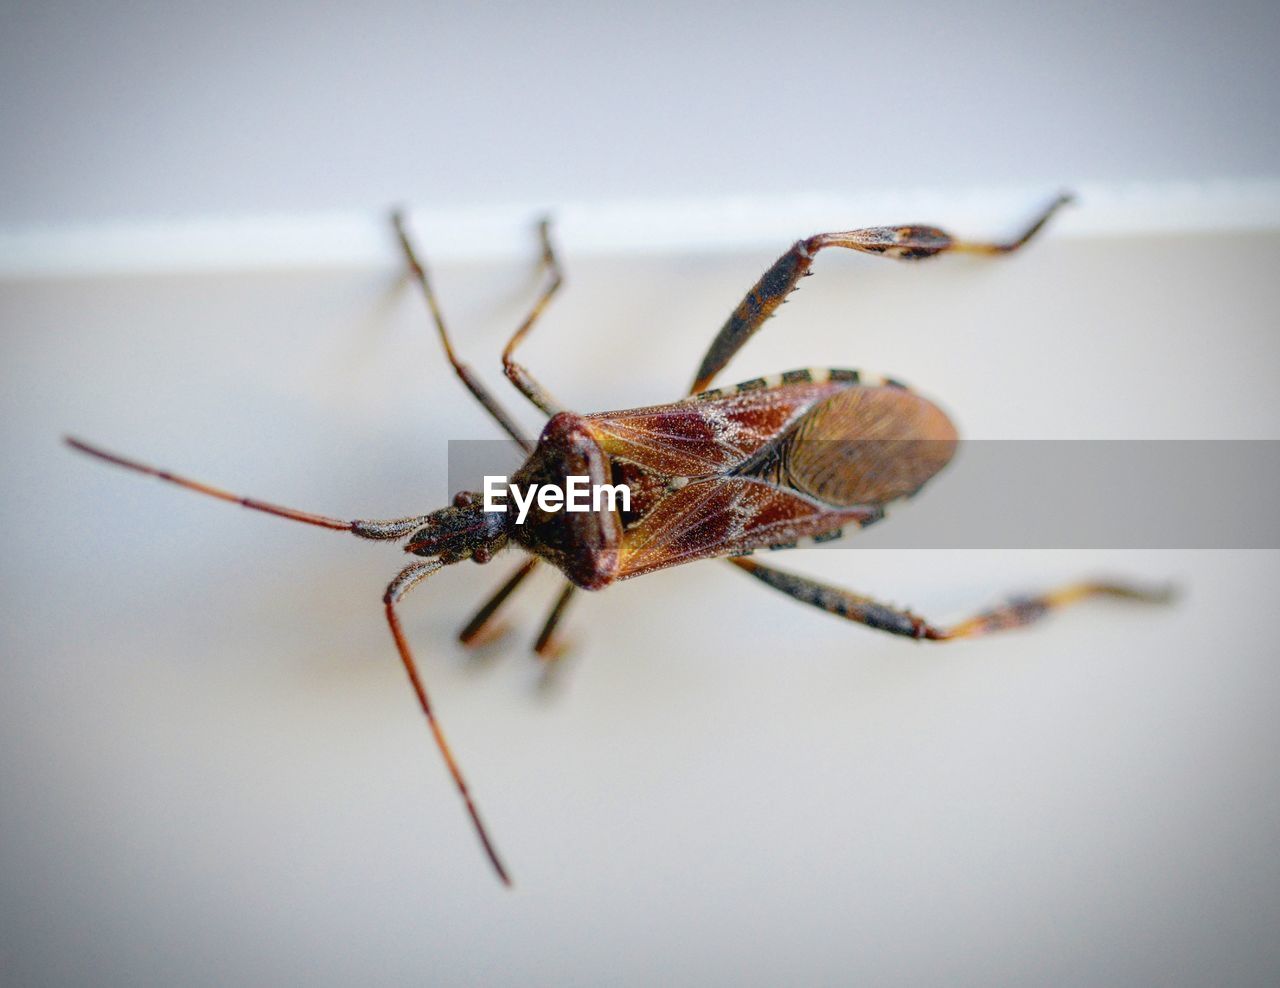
{"x":1017,"y":613}
{"x":910,"y":242}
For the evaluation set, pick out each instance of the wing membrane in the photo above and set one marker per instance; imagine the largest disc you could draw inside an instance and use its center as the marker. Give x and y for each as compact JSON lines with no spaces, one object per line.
{"x":701,"y":436}
{"x":723,"y":516}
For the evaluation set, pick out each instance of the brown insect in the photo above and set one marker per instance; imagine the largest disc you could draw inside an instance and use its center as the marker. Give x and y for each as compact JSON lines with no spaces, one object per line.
{"x":802,"y":455}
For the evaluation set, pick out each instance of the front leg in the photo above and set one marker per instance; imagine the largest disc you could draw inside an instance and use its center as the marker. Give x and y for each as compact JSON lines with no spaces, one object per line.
{"x":418,"y":271}
{"x":481,"y":627}
{"x":1018,"y":612}
{"x":907,"y":243}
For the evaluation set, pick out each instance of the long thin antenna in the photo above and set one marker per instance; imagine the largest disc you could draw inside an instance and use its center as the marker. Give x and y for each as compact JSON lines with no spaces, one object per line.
{"x":322,"y":521}
{"x":410,"y":577}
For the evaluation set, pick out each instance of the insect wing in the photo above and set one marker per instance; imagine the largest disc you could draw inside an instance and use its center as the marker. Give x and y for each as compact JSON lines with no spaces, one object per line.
{"x":713,"y":433}
{"x":724,"y":516}
{"x":865,"y":446}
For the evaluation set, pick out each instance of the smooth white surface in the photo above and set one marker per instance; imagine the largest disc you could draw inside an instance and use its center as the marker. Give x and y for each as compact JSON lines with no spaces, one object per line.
{"x":213,"y":770}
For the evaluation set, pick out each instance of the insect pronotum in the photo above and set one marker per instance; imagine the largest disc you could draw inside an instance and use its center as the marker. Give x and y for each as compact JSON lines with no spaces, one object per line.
{"x":806,"y":454}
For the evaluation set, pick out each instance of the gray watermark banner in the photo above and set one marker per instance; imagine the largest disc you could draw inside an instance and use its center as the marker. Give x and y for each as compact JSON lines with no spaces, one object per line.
{"x":1030,"y":494}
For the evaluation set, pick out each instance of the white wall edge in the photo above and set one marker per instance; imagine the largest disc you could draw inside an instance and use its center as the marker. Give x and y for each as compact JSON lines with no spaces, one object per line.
{"x":477,"y":233}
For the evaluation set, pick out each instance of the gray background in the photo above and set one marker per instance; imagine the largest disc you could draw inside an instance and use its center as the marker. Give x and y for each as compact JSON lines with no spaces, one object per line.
{"x":211,"y":768}
{"x":149,"y":108}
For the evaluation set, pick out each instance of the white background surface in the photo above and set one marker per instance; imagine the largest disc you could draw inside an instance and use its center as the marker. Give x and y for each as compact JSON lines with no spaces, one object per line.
{"x":212,"y":769}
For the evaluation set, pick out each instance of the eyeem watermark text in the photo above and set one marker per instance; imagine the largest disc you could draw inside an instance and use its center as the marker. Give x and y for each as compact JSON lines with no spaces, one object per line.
{"x":578,"y":494}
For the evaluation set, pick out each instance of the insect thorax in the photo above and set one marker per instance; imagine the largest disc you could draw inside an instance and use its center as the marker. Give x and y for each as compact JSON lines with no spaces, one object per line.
{"x":584,"y":545}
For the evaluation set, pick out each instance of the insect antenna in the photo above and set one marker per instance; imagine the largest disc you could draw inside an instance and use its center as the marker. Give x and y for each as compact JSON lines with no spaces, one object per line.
{"x":396,"y":528}
{"x":321,"y":521}
{"x":410,"y":577}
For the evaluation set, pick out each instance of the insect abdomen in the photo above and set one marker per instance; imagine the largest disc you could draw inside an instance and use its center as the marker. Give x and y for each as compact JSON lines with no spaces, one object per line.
{"x":866,"y":445}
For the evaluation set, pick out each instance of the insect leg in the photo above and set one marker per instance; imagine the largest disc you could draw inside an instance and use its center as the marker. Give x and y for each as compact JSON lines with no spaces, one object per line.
{"x":396,"y":528}
{"x":410,"y":577}
{"x":516,"y":373}
{"x":468,"y":377}
{"x":908,"y":243}
{"x":548,"y":646}
{"x":897,"y":621}
{"x":478,"y":629}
